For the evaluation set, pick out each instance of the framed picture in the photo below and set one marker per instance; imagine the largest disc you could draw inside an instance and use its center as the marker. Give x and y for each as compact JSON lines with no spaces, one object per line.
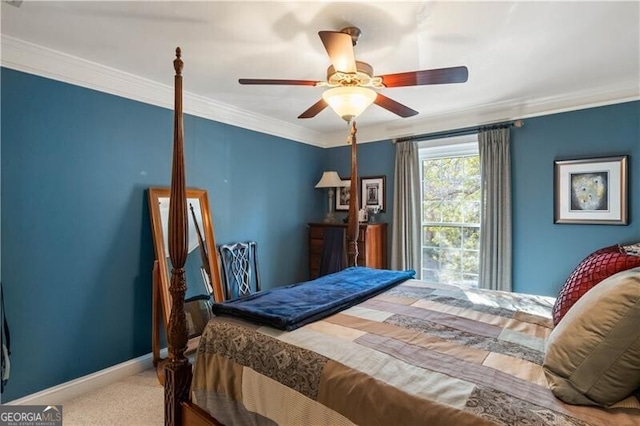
{"x":343,"y":195}
{"x":591,"y":191}
{"x":372,"y":190}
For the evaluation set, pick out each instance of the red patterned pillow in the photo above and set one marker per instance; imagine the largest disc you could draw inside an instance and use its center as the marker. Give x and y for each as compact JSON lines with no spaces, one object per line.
{"x":594,"y":268}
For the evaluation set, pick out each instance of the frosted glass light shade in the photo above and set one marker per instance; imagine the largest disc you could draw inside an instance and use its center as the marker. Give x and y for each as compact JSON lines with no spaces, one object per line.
{"x":350,"y":101}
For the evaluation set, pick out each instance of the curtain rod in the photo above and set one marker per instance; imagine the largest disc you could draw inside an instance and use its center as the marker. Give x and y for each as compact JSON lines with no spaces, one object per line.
{"x":460,"y":132}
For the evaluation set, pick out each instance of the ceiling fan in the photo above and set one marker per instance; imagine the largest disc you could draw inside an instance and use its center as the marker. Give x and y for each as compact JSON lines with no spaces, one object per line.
{"x":351,"y":82}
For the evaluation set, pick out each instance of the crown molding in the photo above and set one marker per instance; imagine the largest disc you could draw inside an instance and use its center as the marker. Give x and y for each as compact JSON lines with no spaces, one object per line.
{"x":34,"y":59}
{"x":627,"y":91}
{"x":44,"y":62}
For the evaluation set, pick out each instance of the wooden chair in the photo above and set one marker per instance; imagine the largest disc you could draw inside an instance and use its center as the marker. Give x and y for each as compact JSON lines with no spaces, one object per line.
{"x":240,"y":274}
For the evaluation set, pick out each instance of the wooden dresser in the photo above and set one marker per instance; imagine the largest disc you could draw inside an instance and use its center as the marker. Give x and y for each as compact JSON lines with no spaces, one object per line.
{"x":372,"y":245}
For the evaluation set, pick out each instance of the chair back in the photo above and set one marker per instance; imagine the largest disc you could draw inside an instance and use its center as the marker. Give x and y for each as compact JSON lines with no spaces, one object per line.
{"x":240,"y":274}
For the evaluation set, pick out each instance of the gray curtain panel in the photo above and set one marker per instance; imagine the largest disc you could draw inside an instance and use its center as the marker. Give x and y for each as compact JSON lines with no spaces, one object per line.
{"x":495,"y":214}
{"x":405,"y":230}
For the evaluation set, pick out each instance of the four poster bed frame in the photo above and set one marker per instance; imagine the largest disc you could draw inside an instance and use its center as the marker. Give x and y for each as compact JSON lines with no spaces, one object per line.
{"x":179,"y":410}
{"x":410,"y":353}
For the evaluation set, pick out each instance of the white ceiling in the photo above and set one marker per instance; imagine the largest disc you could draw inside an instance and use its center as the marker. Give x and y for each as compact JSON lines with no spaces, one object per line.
{"x":524,"y":58}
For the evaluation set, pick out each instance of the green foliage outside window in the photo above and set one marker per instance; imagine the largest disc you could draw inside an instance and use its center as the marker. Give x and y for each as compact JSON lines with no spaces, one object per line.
{"x":451,"y":219}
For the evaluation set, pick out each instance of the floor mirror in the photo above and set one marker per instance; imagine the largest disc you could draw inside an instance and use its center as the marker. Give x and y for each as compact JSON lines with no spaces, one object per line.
{"x":201,"y":267}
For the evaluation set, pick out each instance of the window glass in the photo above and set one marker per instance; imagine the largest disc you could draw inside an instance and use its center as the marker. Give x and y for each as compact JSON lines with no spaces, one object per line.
{"x":450,"y":175}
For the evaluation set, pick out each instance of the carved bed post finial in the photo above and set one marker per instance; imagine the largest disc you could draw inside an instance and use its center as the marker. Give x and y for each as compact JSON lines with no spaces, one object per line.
{"x":353,"y":227}
{"x":177,"y":63}
{"x":178,"y":370}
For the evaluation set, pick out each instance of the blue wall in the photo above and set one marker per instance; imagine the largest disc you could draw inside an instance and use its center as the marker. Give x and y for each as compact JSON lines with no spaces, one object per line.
{"x":76,"y":245}
{"x":544,"y":253}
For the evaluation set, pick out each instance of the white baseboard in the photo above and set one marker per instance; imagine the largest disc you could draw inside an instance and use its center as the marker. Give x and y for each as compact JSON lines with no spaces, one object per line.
{"x":66,"y":391}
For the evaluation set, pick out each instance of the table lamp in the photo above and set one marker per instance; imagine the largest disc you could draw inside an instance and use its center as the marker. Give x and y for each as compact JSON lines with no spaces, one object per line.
{"x":330,"y":180}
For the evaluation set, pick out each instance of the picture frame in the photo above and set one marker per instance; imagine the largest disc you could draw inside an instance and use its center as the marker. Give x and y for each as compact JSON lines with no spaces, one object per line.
{"x":591,"y":191}
{"x":343,"y":195}
{"x":373,"y":192}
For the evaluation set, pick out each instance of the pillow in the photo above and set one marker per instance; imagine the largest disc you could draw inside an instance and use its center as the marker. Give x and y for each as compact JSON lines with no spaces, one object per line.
{"x":593,"y":355}
{"x":594,"y":268}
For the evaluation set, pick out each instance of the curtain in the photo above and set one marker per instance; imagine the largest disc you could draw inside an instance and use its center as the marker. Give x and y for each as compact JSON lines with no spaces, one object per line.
{"x":495,"y":213}
{"x":405,"y":230}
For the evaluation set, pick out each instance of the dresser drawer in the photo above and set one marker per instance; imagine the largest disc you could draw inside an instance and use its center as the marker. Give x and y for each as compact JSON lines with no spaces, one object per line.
{"x":314,"y":273}
{"x":317,"y":232}
{"x":314,"y":262}
{"x":315,"y":246}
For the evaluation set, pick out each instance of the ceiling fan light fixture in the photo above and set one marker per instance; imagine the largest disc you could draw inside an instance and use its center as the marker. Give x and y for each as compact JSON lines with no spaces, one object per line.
{"x":349,"y":101}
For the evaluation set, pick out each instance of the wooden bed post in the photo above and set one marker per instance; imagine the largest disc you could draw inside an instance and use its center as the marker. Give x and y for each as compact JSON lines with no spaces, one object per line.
{"x":178,"y":370}
{"x":353,"y":226}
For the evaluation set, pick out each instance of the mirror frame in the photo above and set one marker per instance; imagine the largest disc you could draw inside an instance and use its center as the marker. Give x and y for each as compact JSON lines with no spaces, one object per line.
{"x":155,"y":193}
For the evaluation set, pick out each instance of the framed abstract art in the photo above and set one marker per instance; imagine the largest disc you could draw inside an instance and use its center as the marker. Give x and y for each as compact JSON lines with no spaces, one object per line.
{"x":591,"y":191}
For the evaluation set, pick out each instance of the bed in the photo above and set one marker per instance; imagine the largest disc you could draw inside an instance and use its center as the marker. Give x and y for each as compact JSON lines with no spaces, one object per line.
{"x":411,"y":352}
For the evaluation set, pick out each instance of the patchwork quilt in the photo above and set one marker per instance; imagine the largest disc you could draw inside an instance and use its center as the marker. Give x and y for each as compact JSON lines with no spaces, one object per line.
{"x":417,"y":354}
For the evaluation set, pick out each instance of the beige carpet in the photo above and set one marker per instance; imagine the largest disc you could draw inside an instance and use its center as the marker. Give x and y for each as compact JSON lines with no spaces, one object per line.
{"x":135,"y":401}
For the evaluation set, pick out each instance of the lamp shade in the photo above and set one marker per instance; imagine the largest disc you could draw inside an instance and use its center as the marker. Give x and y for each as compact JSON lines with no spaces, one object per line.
{"x":330,"y":180}
{"x":349,"y":101}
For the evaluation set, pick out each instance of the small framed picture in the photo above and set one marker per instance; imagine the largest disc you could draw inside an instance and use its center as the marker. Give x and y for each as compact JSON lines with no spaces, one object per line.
{"x":591,"y":191}
{"x":372,"y":190}
{"x":343,"y":195}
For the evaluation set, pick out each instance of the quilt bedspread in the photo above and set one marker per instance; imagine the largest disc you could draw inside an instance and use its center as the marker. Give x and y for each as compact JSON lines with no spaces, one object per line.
{"x":417,"y":354}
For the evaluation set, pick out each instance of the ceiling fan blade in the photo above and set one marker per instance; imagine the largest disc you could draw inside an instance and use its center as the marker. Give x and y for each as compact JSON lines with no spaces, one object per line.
{"x":339,"y":46}
{"x":277,"y":82}
{"x":395,"y":107}
{"x":314,"y":109}
{"x":420,"y":78}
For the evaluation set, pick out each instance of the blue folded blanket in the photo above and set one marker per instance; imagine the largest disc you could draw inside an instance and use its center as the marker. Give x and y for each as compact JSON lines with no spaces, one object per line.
{"x":293,"y":306}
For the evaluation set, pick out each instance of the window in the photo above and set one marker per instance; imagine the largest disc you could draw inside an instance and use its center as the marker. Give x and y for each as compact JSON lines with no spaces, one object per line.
{"x":450,"y":176}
